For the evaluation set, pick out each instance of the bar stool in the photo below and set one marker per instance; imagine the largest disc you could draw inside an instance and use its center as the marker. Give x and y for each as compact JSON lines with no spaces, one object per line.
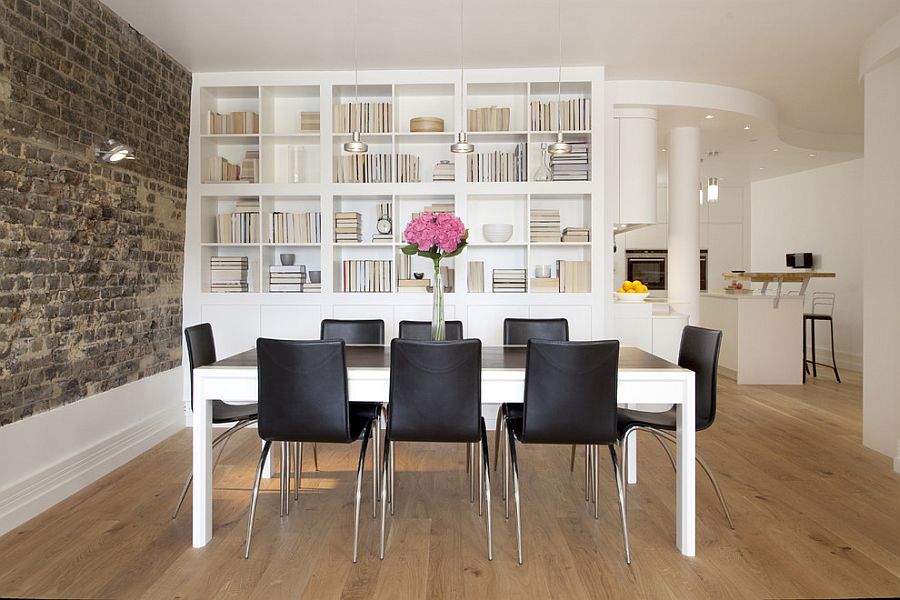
{"x":822,"y":309}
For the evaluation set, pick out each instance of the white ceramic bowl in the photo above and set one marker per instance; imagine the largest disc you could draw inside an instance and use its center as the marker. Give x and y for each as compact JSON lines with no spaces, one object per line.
{"x":497,"y":232}
{"x":631,"y":297}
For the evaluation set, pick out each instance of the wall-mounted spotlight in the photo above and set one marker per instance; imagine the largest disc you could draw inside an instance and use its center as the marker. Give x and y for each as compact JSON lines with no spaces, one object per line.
{"x":114,"y":151}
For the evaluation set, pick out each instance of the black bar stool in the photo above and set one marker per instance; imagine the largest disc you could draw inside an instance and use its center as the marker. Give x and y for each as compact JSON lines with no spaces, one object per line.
{"x":822,"y":309}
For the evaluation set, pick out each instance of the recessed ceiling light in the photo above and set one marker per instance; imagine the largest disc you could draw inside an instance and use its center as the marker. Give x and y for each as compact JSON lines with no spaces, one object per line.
{"x":812,"y":154}
{"x":775,"y":149}
{"x":663,"y":150}
{"x":762,"y":168}
{"x":710,"y":116}
{"x":746,"y":127}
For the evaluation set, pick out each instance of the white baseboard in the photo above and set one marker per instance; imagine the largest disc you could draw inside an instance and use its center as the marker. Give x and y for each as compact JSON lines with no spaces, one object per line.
{"x":845,"y":360}
{"x":61,"y":451}
{"x":897,"y":458}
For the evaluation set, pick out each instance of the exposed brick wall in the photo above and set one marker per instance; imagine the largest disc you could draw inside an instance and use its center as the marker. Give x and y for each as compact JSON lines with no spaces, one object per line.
{"x":91,"y":255}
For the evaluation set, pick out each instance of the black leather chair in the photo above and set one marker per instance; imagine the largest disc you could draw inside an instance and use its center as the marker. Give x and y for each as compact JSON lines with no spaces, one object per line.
{"x":303,"y":398}
{"x":421,"y":330}
{"x":517,"y":332}
{"x":201,"y":349}
{"x":353,"y":331}
{"x":570,"y":398}
{"x":435,"y":396}
{"x":699,"y":352}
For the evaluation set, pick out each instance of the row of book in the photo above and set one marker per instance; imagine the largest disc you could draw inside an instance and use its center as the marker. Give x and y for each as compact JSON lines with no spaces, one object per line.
{"x":365,"y":117}
{"x":574,"y":166}
{"x":364,"y":168}
{"x":408,"y":168}
{"x":383,"y":210}
{"x":498,"y":166}
{"x":367,"y":276}
{"x":507,"y":281}
{"x":574,"y":276}
{"x":235,"y":123}
{"x":295,"y":228}
{"x":544,"y":224}
{"x":475,"y":280}
{"x":287,"y":278}
{"x":240,"y":226}
{"x":574,"y":115}
{"x":444,"y":171}
{"x":228,"y":273}
{"x":489,"y":118}
{"x":347,"y":227}
{"x":219,"y":169}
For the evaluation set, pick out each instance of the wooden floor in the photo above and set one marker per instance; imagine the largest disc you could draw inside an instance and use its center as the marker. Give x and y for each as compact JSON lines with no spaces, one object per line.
{"x":817,"y":515}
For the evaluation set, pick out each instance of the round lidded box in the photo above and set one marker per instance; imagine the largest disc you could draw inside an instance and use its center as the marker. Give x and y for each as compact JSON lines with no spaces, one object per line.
{"x":426,"y":125}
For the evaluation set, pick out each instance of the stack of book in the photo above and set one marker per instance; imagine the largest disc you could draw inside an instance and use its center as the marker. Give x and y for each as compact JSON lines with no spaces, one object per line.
{"x":240,"y":226}
{"x":491,"y":118}
{"x":236,"y":123}
{"x":347,"y":227}
{"x":544,"y":224}
{"x":367,"y":275}
{"x":407,"y":168}
{"x":577,"y":234}
{"x":413,"y":285}
{"x":404,"y":266}
{"x":312,"y":288}
{"x":575,"y":166}
{"x":433,"y":209}
{"x":476,"y":277}
{"x":544,"y":285}
{"x":284,"y":278}
{"x":250,"y":166}
{"x":364,"y":168}
{"x":498,"y":166}
{"x":508,"y":281}
{"x":219,"y":169}
{"x":444,"y":171}
{"x":383,"y":210}
{"x":575,"y":115}
{"x":574,"y":276}
{"x":228,"y":273}
{"x":309,"y":121}
{"x":365,"y":117}
{"x":295,"y":228}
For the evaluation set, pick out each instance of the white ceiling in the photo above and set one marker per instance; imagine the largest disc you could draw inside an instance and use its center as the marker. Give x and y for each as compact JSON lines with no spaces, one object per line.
{"x":801,"y":54}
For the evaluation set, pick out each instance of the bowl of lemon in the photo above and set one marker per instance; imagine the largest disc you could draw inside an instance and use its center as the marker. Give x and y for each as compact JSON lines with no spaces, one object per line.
{"x":632,"y":291}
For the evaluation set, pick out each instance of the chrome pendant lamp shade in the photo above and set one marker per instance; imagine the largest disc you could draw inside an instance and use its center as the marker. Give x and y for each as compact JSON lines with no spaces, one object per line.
{"x":356,"y":145}
{"x":462,"y":144}
{"x":559,"y":146}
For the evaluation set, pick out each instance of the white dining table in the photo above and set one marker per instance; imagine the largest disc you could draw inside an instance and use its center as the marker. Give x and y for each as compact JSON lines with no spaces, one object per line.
{"x":644,"y":379}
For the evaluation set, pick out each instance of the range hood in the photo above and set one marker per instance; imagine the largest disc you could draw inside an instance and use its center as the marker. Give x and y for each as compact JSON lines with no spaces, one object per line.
{"x":626,"y":227}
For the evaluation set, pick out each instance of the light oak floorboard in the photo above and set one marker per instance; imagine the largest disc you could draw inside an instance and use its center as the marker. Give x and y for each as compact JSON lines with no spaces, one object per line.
{"x":816,"y":516}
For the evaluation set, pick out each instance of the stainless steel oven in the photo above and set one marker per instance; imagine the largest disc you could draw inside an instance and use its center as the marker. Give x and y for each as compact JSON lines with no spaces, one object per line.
{"x":649,"y":266}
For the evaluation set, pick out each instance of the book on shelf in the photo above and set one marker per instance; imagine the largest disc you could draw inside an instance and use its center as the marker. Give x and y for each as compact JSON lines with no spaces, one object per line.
{"x":229,"y":273}
{"x":544,"y":224}
{"x":476,"y":277}
{"x":488,"y":118}
{"x":573,"y":114}
{"x":575,"y":166}
{"x":295,"y":228}
{"x":444,"y":171}
{"x":498,"y":166}
{"x":312,"y":288}
{"x":347,"y":227}
{"x":309,"y":122}
{"x":240,"y":226}
{"x":219,"y":169}
{"x":365,"y":117}
{"x":404,"y":266}
{"x":234,"y":123}
{"x":250,"y":167}
{"x":373,"y":276}
{"x":364,"y":168}
{"x":407,"y":168}
{"x":382,"y":238}
{"x":413,"y":285}
{"x":577,"y":234}
{"x":287,"y":278}
{"x":508,"y":281}
{"x":448,"y":276}
{"x":544,"y":285}
{"x":574,"y":276}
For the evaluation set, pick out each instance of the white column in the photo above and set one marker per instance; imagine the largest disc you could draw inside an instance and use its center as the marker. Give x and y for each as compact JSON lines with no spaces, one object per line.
{"x":683,"y":265}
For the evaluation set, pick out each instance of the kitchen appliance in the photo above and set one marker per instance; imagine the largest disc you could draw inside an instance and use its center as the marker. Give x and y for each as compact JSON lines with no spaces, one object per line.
{"x":799,"y":260}
{"x":649,"y":266}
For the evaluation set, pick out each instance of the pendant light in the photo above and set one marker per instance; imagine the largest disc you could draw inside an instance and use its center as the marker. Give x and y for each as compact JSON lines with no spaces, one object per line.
{"x":712,"y":190}
{"x":462,"y":145}
{"x":559,"y":146}
{"x":356,"y":145}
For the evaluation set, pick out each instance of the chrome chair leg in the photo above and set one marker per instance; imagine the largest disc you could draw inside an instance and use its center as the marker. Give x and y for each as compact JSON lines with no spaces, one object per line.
{"x":284,"y":479}
{"x":472,"y":467}
{"x":621,"y":496}
{"x":385,"y":485}
{"x":587,"y":473}
{"x":572,"y":461}
{"x":487,"y":489}
{"x":480,"y":456}
{"x":596,"y":487}
{"x":315,"y":456}
{"x":515,"y":474}
{"x":393,"y":498}
{"x":833,"y":359}
{"x":498,"y":432}
{"x":469,"y":460}
{"x":361,"y":463}
{"x":506,"y":470}
{"x":298,"y":468}
{"x":255,"y":495}
{"x":375,"y":437}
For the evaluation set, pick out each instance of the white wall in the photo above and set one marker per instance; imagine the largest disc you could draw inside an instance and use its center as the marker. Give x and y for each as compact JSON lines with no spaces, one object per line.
{"x":818,"y":211}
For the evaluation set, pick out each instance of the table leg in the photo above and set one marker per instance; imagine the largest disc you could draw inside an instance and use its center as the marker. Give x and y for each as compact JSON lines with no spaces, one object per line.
{"x":202,"y":431}
{"x":631,"y":467}
{"x":685,"y":501}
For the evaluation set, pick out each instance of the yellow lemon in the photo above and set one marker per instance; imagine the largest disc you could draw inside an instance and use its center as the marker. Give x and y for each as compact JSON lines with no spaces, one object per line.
{"x":644,"y":289}
{"x":627,"y":286}
{"x":620,"y":291}
{"x":631,"y":291}
{"x":637,"y":283}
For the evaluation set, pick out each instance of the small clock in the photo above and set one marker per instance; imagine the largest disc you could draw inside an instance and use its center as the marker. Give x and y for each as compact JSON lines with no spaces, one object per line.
{"x":383,"y":225}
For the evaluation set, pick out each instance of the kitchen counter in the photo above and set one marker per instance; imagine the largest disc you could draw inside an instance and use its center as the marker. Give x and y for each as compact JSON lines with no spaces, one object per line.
{"x":651,"y":325}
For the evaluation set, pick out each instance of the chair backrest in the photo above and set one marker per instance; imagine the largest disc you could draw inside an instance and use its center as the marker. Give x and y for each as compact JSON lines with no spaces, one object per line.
{"x":435,"y":393}
{"x":822,"y":303}
{"x":699,"y":352}
{"x":201,"y":349}
{"x":353,"y":331}
{"x":517,"y":332}
{"x":570,"y":392}
{"x":302,"y":391}
{"x":421,"y":330}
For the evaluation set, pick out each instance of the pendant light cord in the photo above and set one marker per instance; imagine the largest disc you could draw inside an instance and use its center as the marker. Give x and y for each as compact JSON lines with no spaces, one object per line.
{"x":462,"y":68}
{"x":559,"y":77}
{"x":356,"y":61}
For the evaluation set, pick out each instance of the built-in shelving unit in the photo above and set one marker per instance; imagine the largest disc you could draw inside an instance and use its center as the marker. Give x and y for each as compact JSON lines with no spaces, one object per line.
{"x":297,"y":172}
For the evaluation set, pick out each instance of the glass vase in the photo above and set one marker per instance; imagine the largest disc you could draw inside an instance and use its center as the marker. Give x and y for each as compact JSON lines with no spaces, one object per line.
{"x":438,"y":326}
{"x":543,"y":172}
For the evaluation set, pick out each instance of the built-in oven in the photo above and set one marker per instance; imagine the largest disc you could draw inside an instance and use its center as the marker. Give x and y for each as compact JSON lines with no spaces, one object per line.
{"x":649,"y":266}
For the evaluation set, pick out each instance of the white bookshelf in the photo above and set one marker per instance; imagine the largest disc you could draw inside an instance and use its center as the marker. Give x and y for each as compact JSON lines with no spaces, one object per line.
{"x":280,"y":98}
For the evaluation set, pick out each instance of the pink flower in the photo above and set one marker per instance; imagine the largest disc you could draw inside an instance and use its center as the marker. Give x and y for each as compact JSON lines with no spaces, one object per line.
{"x":442,"y":232}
